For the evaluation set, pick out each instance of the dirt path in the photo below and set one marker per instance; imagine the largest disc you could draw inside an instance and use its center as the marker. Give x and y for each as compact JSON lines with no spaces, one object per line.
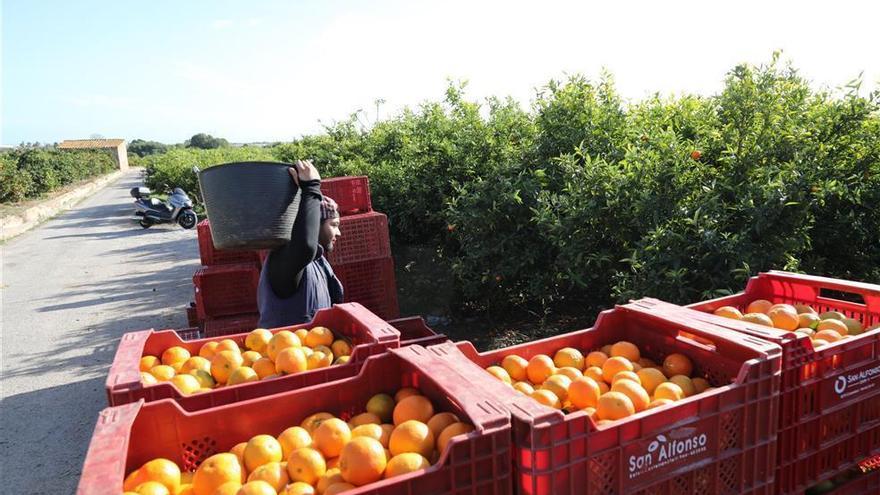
{"x":70,"y":288}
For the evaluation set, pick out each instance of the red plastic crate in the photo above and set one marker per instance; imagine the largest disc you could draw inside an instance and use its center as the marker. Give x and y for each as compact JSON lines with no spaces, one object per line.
{"x":364,"y":237}
{"x":368,"y":334}
{"x":230,"y":325}
{"x":414,"y":331}
{"x":192,"y":315}
{"x":352,"y":194}
{"x":478,"y":463}
{"x":224,"y":290}
{"x":192,"y":333}
{"x":727,"y":444}
{"x":372,"y":284}
{"x":212,"y":256}
{"x":814,"y":415}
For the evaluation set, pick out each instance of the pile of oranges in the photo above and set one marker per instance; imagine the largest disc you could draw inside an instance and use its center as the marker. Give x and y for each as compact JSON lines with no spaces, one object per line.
{"x":221,"y":363}
{"x":609,"y":384}
{"x":822,"y":329}
{"x":323,"y":455}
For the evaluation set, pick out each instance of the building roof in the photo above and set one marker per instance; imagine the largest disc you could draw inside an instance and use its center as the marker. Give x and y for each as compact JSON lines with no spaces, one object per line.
{"x":71,"y":144}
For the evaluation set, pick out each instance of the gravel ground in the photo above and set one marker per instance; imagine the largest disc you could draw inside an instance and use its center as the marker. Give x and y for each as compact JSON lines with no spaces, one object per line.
{"x":70,"y":288}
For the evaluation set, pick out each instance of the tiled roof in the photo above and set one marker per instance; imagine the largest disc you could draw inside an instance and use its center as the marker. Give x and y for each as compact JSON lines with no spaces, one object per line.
{"x":90,"y":143}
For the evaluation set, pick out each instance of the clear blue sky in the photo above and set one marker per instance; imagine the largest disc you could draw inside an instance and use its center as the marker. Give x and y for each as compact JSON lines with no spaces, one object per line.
{"x":271,"y":70}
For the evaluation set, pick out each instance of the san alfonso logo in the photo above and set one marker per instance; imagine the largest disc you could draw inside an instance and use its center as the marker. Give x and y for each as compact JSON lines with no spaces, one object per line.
{"x":854,"y":382}
{"x":664,"y":450}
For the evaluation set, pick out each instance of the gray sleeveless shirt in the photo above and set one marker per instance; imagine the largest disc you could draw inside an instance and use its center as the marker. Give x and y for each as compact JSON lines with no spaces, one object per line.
{"x":318,"y":288}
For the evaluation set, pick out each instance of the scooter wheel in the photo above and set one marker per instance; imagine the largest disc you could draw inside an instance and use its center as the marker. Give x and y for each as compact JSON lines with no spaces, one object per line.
{"x":188,"y":219}
{"x":145,"y":223}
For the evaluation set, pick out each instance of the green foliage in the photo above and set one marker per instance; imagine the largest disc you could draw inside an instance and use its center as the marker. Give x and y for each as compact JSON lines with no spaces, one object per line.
{"x":28,"y":172}
{"x":206,"y":142}
{"x":143,"y":148}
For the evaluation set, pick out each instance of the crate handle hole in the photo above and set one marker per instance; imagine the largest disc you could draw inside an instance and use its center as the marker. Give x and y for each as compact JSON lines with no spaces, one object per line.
{"x":696,"y":341}
{"x":839,"y":295}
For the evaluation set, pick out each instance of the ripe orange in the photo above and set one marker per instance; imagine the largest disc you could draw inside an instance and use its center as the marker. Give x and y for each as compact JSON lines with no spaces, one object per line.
{"x":558,"y":384}
{"x":148,"y":379}
{"x":250,"y":357}
{"x":830,"y":324}
{"x":524,"y":387}
{"x":238,"y":450}
{"x":685,"y":384}
{"x":162,"y":471}
{"x":808,"y":320}
{"x":668,"y":390}
{"x":626,"y":375}
{"x":258,"y":339}
{"x":318,"y":359}
{"x":300,"y":488}
{"x":404,"y":393}
{"x":595,"y":373}
{"x":373,"y":431}
{"x":515,"y":367}
{"x":606,"y":349}
{"x":228,"y":345}
{"x":187,"y":384}
{"x":290,"y":360}
{"x":571,"y":373}
{"x":405,"y":463}
{"x":451,"y":432}
{"x":728,"y":312}
{"x":440,"y":421}
{"x":280,"y":341}
{"x":319,"y":336}
{"x":700,"y":384}
{"x":758,"y":318}
{"x":261,"y":449}
{"x":149,"y":362}
{"x":569,"y":357}
{"x":659,"y":402}
{"x":784,"y":317}
{"x":411,"y":436}
{"x":306,"y":465}
{"x":832,"y":315}
{"x":175,"y":354}
{"x":341,"y":348}
{"x":363,"y":460}
{"x":152,"y":488}
{"x":330,"y":436}
{"x":315,"y":420}
{"x":596,"y":358}
{"x":337,"y":488}
{"x":215,"y":471}
{"x":224,"y":363}
{"x":381,"y":405}
{"x":853,"y":326}
{"x":828,"y":335}
{"x":499,"y":373}
{"x":759,"y":306}
{"x":650,"y":378}
{"x":614,"y":405}
{"x":615,"y":365}
{"x":540,"y":368}
{"x":603,"y":387}
{"x":583,"y":392}
{"x":804,"y":308}
{"x":342,"y":360}
{"x":195,"y":363}
{"x":677,"y":364}
{"x":256,"y":487}
{"x":293,"y":438}
{"x":264,"y":367}
{"x":273,"y":473}
{"x":242,"y":374}
{"x":364,"y":419}
{"x":416,"y":407}
{"x":547,"y":398}
{"x":228,"y":488}
{"x":627,"y":350}
{"x":208,"y":350}
{"x":637,"y":395}
{"x":331,"y":476}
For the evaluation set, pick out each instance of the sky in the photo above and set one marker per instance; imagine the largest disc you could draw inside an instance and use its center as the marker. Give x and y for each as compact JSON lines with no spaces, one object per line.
{"x":265,"y":70}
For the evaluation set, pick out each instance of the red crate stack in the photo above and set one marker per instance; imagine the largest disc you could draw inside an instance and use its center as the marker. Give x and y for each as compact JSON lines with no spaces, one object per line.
{"x":352,"y":194}
{"x":212,"y":256}
{"x":226,"y":290}
{"x":372,"y":284}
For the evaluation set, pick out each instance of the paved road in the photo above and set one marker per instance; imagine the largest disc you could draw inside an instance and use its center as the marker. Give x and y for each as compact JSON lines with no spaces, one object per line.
{"x":69,"y":290}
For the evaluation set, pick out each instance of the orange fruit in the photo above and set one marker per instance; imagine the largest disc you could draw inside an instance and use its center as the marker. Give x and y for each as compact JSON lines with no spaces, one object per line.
{"x":806,"y":331}
{"x":363,"y":459}
{"x":250,"y":357}
{"x":273,"y":473}
{"x":440,"y":421}
{"x":524,"y":387}
{"x":228,"y":345}
{"x":238,"y":450}
{"x":163,"y":373}
{"x":256,"y":487}
{"x":223,"y":364}
{"x":264,"y":367}
{"x":558,"y":384}
{"x":176,"y":366}
{"x":626,"y":375}
{"x":540,"y":368}
{"x":331,"y":476}
{"x":758,"y":318}
{"x":546,"y":398}
{"x":215,"y":471}
{"x":603,"y":387}
{"x":330,"y":436}
{"x":804,"y":308}
{"x":646,"y":363}
{"x":406,"y":463}
{"x":243,"y":374}
{"x":784,"y":317}
{"x":583,"y":392}
{"x":162,"y":471}
{"x":337,"y":488}
{"x":261,"y":449}
{"x":853,"y":326}
{"x":515,"y":367}
{"x":637,"y":395}
{"x":615,"y":365}
{"x":306,"y":465}
{"x":187,"y":384}
{"x":808,"y":320}
{"x":333,"y":463}
{"x":595,"y":373}
{"x":318,"y":359}
{"x":175,"y":354}
{"x":416,"y":407}
{"x":204,"y":378}
{"x":650,"y":378}
{"x":341,"y":348}
{"x":149,"y":362}
{"x":499,"y":373}
{"x":228,"y":488}
{"x":832,"y":315}
{"x":596,"y":358}
{"x":451,"y":432}
{"x":293,"y":438}
{"x":614,"y":405}
{"x":152,"y":488}
{"x":290,"y":360}
{"x":700,"y":384}
{"x":342,"y":360}
{"x":759,"y":306}
{"x":319,"y":336}
{"x":404,"y":393}
{"x":148,"y":379}
{"x":627,"y":350}
{"x":299,"y":488}
{"x":571,"y":373}
{"x":208,"y":350}
{"x":728,"y":312}
{"x":364,"y":419}
{"x":258,"y":339}
{"x":411,"y":436}
{"x":185,"y":489}
{"x":606,"y":349}
{"x":315,"y":420}
{"x":195,"y":363}
{"x":280,"y":341}
{"x":569,"y":357}
{"x":373,"y":431}
{"x":787,"y":307}
{"x":828,"y":335}
{"x":685,"y":384}
{"x":382,"y":405}
{"x":659,"y":402}
{"x":677,"y":364}
{"x":668,"y":390}
{"x":829,"y":324}
{"x":817,"y":343}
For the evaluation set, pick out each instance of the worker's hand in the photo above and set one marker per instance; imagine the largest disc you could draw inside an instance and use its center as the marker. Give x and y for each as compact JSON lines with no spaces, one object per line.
{"x":303,"y":170}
